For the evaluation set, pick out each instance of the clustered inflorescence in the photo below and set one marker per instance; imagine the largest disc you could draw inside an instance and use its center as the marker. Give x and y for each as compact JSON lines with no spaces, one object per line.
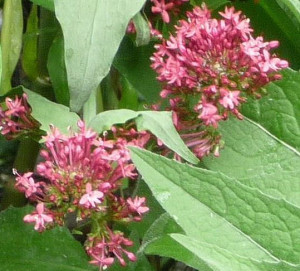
{"x":83,"y":173}
{"x":207,"y":69}
{"x":16,"y":119}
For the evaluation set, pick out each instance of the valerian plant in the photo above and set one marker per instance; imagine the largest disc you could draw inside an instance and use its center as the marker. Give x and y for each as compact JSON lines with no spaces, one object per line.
{"x":150,"y":135}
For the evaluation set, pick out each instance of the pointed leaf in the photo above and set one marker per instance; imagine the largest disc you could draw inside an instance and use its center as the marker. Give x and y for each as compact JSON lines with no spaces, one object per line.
{"x":221,"y":211}
{"x":49,"y":113}
{"x":11,"y":41}
{"x":158,"y":123}
{"x":101,"y":26}
{"x":161,"y":125}
{"x":22,"y":248}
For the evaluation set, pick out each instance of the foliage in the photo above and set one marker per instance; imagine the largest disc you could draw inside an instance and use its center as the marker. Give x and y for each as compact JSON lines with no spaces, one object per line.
{"x":142,"y":145}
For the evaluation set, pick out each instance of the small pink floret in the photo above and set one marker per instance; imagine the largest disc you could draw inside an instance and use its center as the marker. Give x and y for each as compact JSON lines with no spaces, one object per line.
{"x":91,"y":198}
{"x":39,"y":217}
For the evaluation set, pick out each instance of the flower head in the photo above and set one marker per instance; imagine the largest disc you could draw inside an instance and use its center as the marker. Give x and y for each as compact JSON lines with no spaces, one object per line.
{"x":209,"y":67}
{"x":84,"y":172}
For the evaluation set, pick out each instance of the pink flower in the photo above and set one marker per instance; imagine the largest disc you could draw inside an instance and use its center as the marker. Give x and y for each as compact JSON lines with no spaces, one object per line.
{"x":39,"y":217}
{"x":27,"y":185}
{"x":230,"y":99}
{"x":137,"y":205}
{"x":113,"y":244}
{"x":209,"y":114}
{"x":91,"y":198}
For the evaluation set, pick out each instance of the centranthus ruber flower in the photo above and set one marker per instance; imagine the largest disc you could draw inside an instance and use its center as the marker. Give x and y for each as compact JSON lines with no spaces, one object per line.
{"x":83,"y":173}
{"x":40,"y":217}
{"x":208,"y":68}
{"x":15,"y":117}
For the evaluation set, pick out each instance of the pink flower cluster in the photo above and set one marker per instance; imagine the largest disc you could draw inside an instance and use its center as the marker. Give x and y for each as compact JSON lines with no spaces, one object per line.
{"x":16,"y":118}
{"x":207,"y":69}
{"x":82,"y":173}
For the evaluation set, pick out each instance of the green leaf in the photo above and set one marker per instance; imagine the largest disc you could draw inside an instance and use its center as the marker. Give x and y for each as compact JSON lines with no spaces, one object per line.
{"x":166,"y":246}
{"x":57,"y":71}
{"x":163,"y":225}
{"x":158,"y":123}
{"x":49,"y":113}
{"x":101,"y":26}
{"x":22,"y":248}
{"x":105,"y":120}
{"x":258,"y":159}
{"x":279,"y":111}
{"x":157,"y":241}
{"x":222,"y":212}
{"x":29,"y":54}
{"x":11,"y":41}
{"x":226,"y":260}
{"x":134,"y":64}
{"x":48,"y":4}
{"x":142,"y":30}
{"x":161,"y":125}
{"x":129,"y":96}
{"x":292,"y":9}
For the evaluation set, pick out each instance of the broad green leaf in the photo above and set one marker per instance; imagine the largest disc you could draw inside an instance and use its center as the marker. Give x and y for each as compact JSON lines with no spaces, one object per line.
{"x":22,"y":248}
{"x":48,"y":4}
{"x":101,"y":26}
{"x":163,"y":225}
{"x":29,"y":53}
{"x":129,"y":95}
{"x":279,"y":111}
{"x":258,"y":159}
{"x":221,"y":211}
{"x":11,"y":41}
{"x":161,"y":125}
{"x":49,"y":113}
{"x":134,"y":64}
{"x":222,"y":260}
{"x":57,"y":71}
{"x":166,"y":246}
{"x":142,"y":29}
{"x":105,"y":120}
{"x":292,"y":9}
{"x":158,"y":123}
